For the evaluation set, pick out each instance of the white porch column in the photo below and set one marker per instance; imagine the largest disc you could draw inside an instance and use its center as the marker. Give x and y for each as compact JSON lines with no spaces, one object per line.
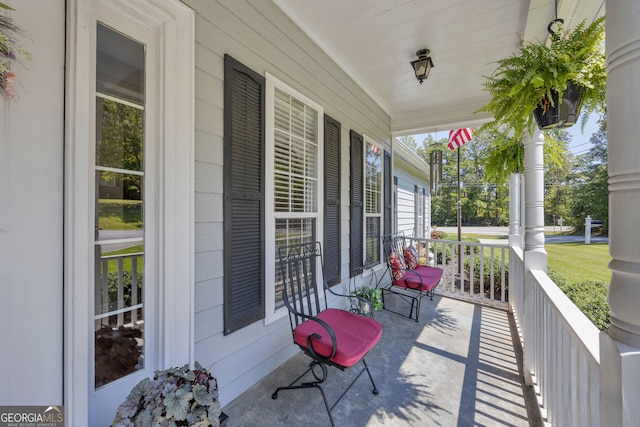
{"x":515,"y":232}
{"x":535,"y":256}
{"x":620,"y":348}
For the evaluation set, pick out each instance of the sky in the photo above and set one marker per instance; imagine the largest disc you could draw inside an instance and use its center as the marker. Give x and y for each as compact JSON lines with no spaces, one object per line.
{"x":579,"y":139}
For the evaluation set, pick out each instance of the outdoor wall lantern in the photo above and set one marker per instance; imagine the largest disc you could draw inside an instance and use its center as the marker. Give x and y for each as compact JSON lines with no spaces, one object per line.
{"x":422,"y":65}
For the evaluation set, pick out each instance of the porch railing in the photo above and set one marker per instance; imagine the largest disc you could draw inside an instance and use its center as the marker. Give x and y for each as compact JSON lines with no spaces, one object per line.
{"x":485,"y":272}
{"x":118,"y":291}
{"x":560,"y":346}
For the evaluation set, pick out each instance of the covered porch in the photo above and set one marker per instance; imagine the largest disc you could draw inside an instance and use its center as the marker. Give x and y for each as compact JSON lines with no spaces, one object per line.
{"x":506,"y":347}
{"x":458,"y":366}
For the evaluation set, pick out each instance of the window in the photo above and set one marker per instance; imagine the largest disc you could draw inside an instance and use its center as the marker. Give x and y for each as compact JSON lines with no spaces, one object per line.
{"x":120,"y":203}
{"x":419,"y":212}
{"x":373,"y":203}
{"x":294,"y":144}
{"x":129,"y":214}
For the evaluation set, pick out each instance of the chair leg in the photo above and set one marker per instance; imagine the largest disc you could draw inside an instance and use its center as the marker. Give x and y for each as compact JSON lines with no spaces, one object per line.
{"x":319,"y":380}
{"x":375,"y":389}
{"x":311,"y":384}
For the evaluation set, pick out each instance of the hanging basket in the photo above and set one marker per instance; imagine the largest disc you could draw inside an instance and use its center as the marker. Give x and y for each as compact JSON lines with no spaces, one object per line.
{"x":564,"y":113}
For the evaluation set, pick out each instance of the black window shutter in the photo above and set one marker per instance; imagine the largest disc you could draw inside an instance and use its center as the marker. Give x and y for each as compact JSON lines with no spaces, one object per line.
{"x":244,"y":92}
{"x":357,"y":194}
{"x":332,"y":167}
{"x":388,"y":207}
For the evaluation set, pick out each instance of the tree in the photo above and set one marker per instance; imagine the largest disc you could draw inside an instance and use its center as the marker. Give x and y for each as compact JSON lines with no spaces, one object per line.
{"x":410,"y":142}
{"x":590,"y":194}
{"x":483,"y":202}
{"x":556,"y":186}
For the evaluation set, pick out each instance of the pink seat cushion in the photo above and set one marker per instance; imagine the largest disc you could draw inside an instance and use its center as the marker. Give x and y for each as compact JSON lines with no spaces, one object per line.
{"x":430,"y":278}
{"x":355,"y":335}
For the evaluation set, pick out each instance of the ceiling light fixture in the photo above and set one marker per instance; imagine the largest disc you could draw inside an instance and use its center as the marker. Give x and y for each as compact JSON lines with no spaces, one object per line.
{"x":422,"y":65}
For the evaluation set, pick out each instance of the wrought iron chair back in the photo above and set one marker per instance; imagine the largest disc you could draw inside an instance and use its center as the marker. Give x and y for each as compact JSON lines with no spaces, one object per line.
{"x":299,"y":275}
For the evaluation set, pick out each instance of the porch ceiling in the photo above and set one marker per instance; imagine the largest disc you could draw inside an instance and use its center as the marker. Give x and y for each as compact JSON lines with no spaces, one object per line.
{"x":374,"y":41}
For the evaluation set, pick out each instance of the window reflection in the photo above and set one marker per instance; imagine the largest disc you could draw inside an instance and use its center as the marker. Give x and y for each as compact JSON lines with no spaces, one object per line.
{"x":119,"y":312}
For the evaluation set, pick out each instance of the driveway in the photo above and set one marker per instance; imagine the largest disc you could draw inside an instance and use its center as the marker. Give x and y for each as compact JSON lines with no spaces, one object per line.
{"x":504,"y":231}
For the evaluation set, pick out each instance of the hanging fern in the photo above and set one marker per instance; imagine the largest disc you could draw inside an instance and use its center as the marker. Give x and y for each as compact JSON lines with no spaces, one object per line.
{"x":530,"y":77}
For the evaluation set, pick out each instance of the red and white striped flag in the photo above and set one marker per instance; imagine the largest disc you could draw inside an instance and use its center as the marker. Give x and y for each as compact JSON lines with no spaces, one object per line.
{"x":459,"y":137}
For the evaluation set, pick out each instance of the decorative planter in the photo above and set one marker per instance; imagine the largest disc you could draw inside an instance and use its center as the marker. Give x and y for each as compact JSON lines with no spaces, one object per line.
{"x":564,"y":113}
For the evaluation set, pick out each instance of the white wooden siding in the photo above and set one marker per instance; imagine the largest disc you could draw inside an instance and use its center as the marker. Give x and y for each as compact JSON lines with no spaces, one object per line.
{"x":406,"y":212}
{"x":31,"y":212}
{"x":262,"y":37}
{"x":406,"y":203}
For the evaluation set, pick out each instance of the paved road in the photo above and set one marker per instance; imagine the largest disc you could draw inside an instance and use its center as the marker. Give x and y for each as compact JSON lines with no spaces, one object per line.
{"x":504,"y":231}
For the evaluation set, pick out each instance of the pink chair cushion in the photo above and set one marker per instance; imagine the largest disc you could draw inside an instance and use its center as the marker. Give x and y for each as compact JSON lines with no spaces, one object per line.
{"x":430,"y":278}
{"x":355,"y":335}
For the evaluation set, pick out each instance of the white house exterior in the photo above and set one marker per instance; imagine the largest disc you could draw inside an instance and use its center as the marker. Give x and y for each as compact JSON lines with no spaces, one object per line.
{"x":411,"y":194}
{"x":166,"y":68}
{"x":169,"y":64}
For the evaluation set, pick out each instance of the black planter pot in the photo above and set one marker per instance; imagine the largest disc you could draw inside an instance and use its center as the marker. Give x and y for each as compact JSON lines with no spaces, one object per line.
{"x":564,"y":113}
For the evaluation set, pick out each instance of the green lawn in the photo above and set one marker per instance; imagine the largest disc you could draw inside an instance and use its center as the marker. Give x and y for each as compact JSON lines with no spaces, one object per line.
{"x":582,"y":272}
{"x":578,"y":262}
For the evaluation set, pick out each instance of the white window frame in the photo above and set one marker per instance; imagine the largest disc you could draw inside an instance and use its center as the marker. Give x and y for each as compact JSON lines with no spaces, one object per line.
{"x":174,"y":24}
{"x":271,"y":313}
{"x":419,"y":229}
{"x":380,"y":214}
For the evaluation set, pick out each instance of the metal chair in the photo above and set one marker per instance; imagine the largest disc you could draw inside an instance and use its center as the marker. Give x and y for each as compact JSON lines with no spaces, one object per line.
{"x":329,"y":336}
{"x":409,"y":282}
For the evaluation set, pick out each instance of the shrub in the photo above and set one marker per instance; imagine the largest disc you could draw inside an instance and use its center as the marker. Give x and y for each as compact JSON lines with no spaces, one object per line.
{"x":439,"y":235}
{"x":591,"y":298}
{"x":467,"y":248}
{"x":486,"y":276}
{"x":112,"y":278}
{"x":437,"y":251}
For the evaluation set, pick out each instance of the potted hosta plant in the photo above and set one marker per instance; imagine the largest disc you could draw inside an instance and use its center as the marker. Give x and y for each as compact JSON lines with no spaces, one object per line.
{"x":175,"y":397}
{"x":549,"y":81}
{"x":373,"y":295}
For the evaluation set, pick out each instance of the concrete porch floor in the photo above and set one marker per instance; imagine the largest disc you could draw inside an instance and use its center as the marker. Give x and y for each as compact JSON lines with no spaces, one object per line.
{"x":456,"y":367}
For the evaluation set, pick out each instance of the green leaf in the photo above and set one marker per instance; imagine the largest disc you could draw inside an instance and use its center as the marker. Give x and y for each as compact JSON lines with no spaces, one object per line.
{"x":5,"y":6}
{"x":537,"y":81}
{"x":128,"y":408}
{"x":143,"y":388}
{"x":144,"y":419}
{"x":202,"y":395}
{"x":177,"y":404}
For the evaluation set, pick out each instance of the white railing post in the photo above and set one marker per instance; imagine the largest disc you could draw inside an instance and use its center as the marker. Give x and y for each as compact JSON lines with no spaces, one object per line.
{"x":515,"y":233}
{"x":620,"y":348}
{"x":515,"y":241}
